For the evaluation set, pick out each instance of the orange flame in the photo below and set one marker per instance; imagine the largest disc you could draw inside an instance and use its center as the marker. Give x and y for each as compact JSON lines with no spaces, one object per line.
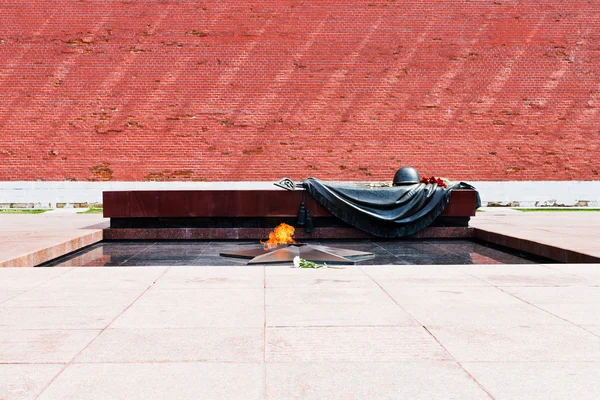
{"x":282,"y":234}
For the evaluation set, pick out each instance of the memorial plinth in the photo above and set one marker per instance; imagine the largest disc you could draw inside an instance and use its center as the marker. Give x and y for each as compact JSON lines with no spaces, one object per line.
{"x":248,"y":214}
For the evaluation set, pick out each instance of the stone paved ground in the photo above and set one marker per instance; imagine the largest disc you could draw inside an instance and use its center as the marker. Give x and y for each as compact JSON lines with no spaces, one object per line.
{"x":499,"y":331}
{"x":575,"y":231}
{"x":30,"y":239}
{"x":402,"y":332}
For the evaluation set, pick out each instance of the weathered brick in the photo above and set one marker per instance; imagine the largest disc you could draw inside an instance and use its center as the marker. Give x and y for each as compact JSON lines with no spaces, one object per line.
{"x":257,"y":90}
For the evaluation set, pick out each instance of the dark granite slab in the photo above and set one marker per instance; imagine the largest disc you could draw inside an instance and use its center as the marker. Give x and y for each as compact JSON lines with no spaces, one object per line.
{"x":206,"y":253}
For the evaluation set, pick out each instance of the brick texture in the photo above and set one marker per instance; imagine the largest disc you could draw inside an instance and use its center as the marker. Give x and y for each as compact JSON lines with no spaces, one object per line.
{"x":258,"y":90}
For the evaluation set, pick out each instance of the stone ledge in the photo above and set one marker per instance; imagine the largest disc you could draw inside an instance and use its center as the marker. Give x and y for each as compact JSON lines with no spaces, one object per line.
{"x":262,"y":233}
{"x":536,"y":248}
{"x":43,"y":255}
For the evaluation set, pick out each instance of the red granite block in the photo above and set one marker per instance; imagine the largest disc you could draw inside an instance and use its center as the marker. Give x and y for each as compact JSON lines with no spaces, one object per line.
{"x":171,"y":203}
{"x":575,"y":257}
{"x":199,"y":234}
{"x":211,"y":203}
{"x":237,"y":203}
{"x":143,"y":203}
{"x":281,"y":203}
{"x":129,"y":234}
{"x":462,"y":202}
{"x":480,"y":234}
{"x":557,"y":254}
{"x":316,"y":209}
{"x":524,"y":245}
{"x":263,"y":233}
{"x":116,"y":204}
{"x":251,"y":203}
{"x":173,"y":234}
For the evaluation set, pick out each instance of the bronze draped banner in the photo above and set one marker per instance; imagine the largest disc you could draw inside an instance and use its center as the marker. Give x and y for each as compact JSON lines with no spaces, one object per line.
{"x":388,"y":212}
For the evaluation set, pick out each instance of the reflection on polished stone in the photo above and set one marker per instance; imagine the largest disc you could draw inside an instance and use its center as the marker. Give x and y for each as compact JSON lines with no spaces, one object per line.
{"x":206,"y":253}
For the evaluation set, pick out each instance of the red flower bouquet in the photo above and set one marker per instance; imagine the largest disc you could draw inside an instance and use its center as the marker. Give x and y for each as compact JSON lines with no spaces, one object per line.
{"x":433,"y":179}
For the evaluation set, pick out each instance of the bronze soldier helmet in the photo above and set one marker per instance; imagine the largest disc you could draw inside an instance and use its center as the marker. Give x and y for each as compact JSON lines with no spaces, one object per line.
{"x":406,"y":176}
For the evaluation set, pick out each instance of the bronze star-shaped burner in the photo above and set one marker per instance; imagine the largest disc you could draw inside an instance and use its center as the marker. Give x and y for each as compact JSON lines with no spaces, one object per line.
{"x":286,"y":253}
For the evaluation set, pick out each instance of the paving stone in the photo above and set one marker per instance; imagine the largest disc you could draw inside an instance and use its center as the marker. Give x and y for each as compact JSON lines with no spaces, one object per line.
{"x":57,"y":317}
{"x":468,"y":306}
{"x":25,"y":381}
{"x":593,"y":328}
{"x":43,"y":345}
{"x":50,"y":296}
{"x":450,"y":296}
{"x":193,"y":308}
{"x":27,"y":278}
{"x":158,"y":381}
{"x":518,"y":343}
{"x":281,"y":277}
{"x":211,"y":277}
{"x":332,"y":344}
{"x":590,"y":272}
{"x":328,"y":331}
{"x":29,"y":240}
{"x":202,"y":297}
{"x":333,"y":307}
{"x":163,"y":345}
{"x":538,"y":380}
{"x":422,"y":276}
{"x":553,"y":295}
{"x":5,"y":295}
{"x":368,"y":380}
{"x":101,"y":278}
{"x":580,"y":314}
{"x":523,"y":275}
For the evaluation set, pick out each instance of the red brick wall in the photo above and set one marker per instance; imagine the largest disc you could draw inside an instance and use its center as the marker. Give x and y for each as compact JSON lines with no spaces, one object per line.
{"x":258,"y":90}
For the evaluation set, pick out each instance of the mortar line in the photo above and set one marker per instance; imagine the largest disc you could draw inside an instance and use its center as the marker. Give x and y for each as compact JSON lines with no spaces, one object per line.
{"x":337,"y":326}
{"x":265,"y":332}
{"x":568,"y":273}
{"x":206,"y":247}
{"x":548,"y":266}
{"x":185,"y":361}
{"x":60,"y":71}
{"x":12,"y":297}
{"x":434,"y":338}
{"x":387,"y":251}
{"x":549,"y":312}
{"x":70,"y":362}
{"x":137,"y":254}
{"x":35,"y":287}
{"x":533,"y":305}
{"x":199,"y":256}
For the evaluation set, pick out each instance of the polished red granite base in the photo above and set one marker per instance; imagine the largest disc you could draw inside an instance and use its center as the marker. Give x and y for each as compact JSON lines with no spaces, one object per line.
{"x":225,"y":214}
{"x":238,"y":203}
{"x":261,"y":233}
